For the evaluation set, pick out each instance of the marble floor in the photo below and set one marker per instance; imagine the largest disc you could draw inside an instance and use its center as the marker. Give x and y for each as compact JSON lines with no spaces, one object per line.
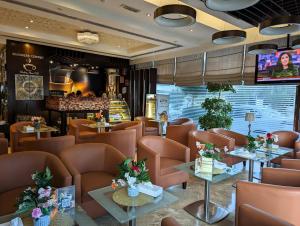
{"x":222,"y":193}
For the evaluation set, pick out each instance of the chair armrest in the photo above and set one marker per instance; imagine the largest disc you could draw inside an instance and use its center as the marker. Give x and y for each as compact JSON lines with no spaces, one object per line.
{"x":280,"y":176}
{"x":290,"y":163}
{"x":74,"y":130}
{"x":3,"y":146}
{"x":61,"y":176}
{"x":250,"y":216}
{"x":297,"y":145}
{"x":175,"y":150}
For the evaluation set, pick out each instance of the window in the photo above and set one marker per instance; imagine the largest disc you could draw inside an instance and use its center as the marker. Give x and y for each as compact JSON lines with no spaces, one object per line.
{"x":273,"y":105}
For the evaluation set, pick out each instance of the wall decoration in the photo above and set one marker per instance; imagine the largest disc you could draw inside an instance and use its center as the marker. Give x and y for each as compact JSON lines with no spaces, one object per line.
{"x":29,"y":87}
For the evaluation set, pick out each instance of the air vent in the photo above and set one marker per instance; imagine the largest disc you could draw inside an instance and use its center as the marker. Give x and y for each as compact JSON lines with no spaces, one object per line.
{"x":129,"y":8}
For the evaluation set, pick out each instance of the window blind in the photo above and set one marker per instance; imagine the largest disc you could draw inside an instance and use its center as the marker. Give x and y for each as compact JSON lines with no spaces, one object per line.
{"x":165,"y":71}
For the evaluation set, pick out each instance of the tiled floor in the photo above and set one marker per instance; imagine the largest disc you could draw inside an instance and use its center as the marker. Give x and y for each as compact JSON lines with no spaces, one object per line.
{"x":222,"y":193}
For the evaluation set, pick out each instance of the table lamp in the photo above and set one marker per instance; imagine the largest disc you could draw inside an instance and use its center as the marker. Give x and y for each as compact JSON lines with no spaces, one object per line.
{"x":249,"y":117}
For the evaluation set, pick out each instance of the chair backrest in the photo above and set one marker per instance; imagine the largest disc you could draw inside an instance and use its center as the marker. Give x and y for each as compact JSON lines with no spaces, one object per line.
{"x":240,"y":139}
{"x":286,"y":138}
{"x":91,"y":157}
{"x":2,"y":135}
{"x":3,"y":146}
{"x":181,"y":121}
{"x":79,"y":124}
{"x":220,"y":141}
{"x":137,"y":125}
{"x":16,"y":169}
{"x":180,"y":133}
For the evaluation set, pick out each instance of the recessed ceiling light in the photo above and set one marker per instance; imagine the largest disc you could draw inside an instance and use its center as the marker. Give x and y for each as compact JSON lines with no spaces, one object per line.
{"x":148,"y":14}
{"x":119,"y":46}
{"x":27,"y":27}
{"x":191,"y":29}
{"x":31,"y":21}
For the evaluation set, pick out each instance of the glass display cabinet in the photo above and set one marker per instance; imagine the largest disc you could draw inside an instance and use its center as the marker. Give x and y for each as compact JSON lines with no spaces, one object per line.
{"x":156,"y":104}
{"x":118,"y":111}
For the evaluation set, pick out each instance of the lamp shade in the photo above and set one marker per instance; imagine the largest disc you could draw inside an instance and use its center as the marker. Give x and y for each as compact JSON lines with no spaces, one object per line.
{"x":249,"y":117}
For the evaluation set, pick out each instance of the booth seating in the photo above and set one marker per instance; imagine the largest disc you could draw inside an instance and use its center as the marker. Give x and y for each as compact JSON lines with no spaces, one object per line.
{"x":162,"y":156}
{"x":17,"y":138}
{"x":92,"y":166}
{"x":179,"y":129}
{"x":220,"y":141}
{"x":279,"y":201}
{"x":3,"y":144}
{"x":137,"y":125}
{"x":53,"y":145}
{"x":150,"y":127}
{"x":250,"y":216}
{"x":289,"y":139}
{"x":15,"y":175}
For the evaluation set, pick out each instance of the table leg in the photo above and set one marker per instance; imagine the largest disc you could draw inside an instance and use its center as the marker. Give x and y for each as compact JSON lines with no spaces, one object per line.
{"x":38,"y":135}
{"x":251,"y":169}
{"x":205,"y":210}
{"x":132,"y":222}
{"x":98,"y":129}
{"x":131,"y":211}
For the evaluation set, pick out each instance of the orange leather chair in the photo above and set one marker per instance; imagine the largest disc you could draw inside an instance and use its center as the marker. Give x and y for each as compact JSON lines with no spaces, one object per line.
{"x":289,"y":139}
{"x":220,"y":141}
{"x":239,"y":139}
{"x":162,"y":156}
{"x":82,"y":133}
{"x":52,"y":145}
{"x":169,"y":221}
{"x":150,"y":127}
{"x":179,"y":129}
{"x":17,"y":138}
{"x":92,"y":166}
{"x":15,"y":175}
{"x":137,"y":125}
{"x":251,"y":216}
{"x":3,"y":144}
{"x":279,"y":201}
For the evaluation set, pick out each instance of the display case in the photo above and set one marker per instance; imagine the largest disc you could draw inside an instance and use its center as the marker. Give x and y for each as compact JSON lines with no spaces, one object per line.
{"x":156,"y":104}
{"x":118,"y":111}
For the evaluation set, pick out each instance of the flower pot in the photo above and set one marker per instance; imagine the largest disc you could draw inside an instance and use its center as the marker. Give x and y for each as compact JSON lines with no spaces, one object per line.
{"x":133,"y":191}
{"x":269,"y":146}
{"x":42,"y":221}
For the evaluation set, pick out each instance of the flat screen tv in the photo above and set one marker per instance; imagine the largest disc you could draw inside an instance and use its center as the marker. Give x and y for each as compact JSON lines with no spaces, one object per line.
{"x":280,"y":67}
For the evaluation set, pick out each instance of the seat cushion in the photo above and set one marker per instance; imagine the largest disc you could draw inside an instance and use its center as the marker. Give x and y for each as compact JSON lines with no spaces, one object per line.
{"x":167,"y":165}
{"x":8,"y":200}
{"x":93,"y":180}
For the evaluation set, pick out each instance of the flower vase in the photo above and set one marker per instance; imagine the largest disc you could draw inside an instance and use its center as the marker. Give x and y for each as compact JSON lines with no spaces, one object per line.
{"x":269,"y":146}
{"x":37,"y":125}
{"x":133,"y":191}
{"x":103,"y":121}
{"x":42,"y":221}
{"x":98,"y":124}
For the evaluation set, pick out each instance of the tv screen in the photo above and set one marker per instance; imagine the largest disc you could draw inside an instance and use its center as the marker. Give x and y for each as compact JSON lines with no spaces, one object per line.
{"x":282,"y":66}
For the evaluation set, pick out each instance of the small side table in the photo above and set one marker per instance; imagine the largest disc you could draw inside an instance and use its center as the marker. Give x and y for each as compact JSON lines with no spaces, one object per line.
{"x":43,"y":129}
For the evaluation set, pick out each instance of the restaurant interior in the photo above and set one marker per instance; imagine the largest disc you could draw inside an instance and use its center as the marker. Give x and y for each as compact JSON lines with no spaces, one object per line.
{"x":149,"y":112}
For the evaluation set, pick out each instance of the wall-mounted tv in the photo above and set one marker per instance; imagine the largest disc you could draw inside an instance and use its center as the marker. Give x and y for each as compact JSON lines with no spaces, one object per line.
{"x":280,"y":67}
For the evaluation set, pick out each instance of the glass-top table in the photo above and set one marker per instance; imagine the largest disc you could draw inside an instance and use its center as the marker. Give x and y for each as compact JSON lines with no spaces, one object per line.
{"x":100,"y":128}
{"x":43,"y":129}
{"x":206,"y":210}
{"x":74,"y":217}
{"x":260,"y":155}
{"x":124,"y":214}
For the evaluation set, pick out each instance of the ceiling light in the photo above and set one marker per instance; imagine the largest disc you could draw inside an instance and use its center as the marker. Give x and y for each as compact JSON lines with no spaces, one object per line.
{"x":148,"y":14}
{"x":262,"y":49}
{"x":228,"y":37}
{"x":280,"y":25}
{"x":296,"y":44}
{"x":229,"y":5}
{"x":31,"y":21}
{"x":191,"y":29}
{"x":27,"y":27}
{"x":175,"y":15}
{"x":87,"y":37}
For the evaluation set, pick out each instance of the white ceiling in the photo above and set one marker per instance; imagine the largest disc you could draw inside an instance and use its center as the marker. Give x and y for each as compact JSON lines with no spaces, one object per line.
{"x":122,"y":33}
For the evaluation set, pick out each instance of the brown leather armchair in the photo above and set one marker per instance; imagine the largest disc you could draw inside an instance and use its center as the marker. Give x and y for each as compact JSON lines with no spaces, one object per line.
{"x":288,"y":139}
{"x":137,"y":125}
{"x":179,"y":129}
{"x":150,"y":127}
{"x":82,"y":133}
{"x":239,"y":139}
{"x":169,"y":221}
{"x":220,"y":141}
{"x":15,"y":175}
{"x":17,"y":138}
{"x":52,"y":145}
{"x":3,"y":144}
{"x":162,"y":156}
{"x":279,"y":201}
{"x":251,"y":216}
{"x":92,"y":166}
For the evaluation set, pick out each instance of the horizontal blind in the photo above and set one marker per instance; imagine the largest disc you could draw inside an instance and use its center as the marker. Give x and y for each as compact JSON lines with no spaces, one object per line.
{"x":145,"y":65}
{"x":165,"y":71}
{"x":273,"y":105}
{"x":249,"y":72}
{"x":189,"y":70}
{"x":224,"y":65}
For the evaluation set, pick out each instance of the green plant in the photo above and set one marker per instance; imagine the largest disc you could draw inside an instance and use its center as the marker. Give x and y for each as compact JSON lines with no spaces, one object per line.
{"x":217,"y":109}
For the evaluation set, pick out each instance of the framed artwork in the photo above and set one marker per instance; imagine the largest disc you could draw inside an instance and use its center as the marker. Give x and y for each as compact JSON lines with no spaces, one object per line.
{"x":29,"y":87}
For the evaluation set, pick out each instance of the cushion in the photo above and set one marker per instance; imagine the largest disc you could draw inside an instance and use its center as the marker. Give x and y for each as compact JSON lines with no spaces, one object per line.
{"x":93,"y":180}
{"x":8,"y":200}
{"x":167,"y":165}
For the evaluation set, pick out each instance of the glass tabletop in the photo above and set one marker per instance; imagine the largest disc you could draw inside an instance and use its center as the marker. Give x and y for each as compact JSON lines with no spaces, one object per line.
{"x":124,"y":214}
{"x":96,"y":126}
{"x":43,"y":129}
{"x":213,"y":178}
{"x":260,"y":155}
{"x":74,"y":217}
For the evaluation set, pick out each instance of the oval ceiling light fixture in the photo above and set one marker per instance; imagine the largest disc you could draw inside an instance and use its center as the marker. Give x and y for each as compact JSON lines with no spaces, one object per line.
{"x":296,"y":44}
{"x":229,"y":5}
{"x":175,"y":15}
{"x":262,"y":49}
{"x":280,"y":25}
{"x":228,"y":37}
